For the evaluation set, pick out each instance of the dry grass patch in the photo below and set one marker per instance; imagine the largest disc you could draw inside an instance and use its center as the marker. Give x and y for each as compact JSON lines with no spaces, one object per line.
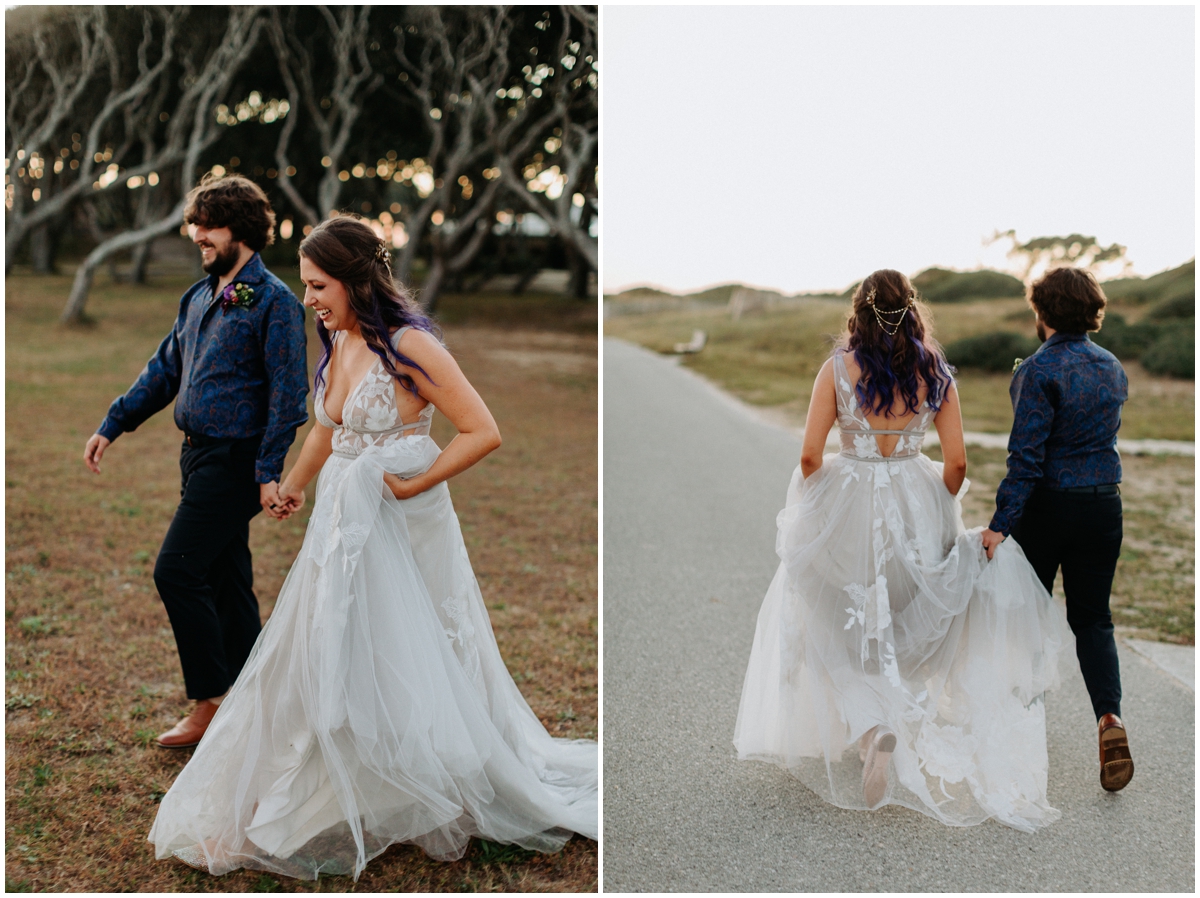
{"x":92,"y":673}
{"x":1153,"y":594}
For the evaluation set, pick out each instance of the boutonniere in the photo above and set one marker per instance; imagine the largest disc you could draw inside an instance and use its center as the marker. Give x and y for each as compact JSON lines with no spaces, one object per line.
{"x":1016,"y":365}
{"x":240,"y":295}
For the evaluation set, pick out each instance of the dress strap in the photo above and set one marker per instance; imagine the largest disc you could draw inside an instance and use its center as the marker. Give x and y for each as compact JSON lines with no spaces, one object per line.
{"x":396,"y":336}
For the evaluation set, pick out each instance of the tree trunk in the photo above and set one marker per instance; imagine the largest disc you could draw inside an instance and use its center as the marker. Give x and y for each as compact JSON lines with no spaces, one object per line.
{"x":41,"y":248}
{"x":73,"y":311}
{"x":14,"y":233}
{"x":579,"y":282}
{"x":432,"y":286}
{"x":525,"y":280}
{"x":141,"y":257}
{"x":577,"y":285}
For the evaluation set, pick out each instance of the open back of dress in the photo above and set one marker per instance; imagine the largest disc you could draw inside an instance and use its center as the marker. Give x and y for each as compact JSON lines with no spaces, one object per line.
{"x":859,"y":439}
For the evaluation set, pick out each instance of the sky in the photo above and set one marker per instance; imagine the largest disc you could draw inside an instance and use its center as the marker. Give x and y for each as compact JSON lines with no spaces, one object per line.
{"x":800,"y":148}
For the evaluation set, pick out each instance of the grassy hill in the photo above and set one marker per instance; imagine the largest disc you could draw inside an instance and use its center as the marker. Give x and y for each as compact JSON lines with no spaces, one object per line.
{"x":718,"y":295}
{"x":1168,"y":293}
{"x":942,"y":285}
{"x":1177,"y":285}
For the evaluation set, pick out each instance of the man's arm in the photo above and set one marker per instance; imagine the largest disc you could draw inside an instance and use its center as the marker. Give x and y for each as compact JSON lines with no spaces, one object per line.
{"x":1033,"y":418}
{"x":153,"y":391}
{"x":286,"y":363}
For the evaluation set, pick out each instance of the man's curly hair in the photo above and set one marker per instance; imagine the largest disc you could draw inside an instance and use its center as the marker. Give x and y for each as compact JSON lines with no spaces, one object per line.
{"x":1069,"y":300}
{"x":236,"y":203}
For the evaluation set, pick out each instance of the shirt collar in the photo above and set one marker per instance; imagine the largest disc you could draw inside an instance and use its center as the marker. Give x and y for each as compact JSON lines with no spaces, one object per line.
{"x":253,"y":272}
{"x":1061,"y":337}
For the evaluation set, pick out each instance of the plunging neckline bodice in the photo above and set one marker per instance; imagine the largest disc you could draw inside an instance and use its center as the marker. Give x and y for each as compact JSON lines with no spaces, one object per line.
{"x":349,"y":395}
{"x":370,"y":415}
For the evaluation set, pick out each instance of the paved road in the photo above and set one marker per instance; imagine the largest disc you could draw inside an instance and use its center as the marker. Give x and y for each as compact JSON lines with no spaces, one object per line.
{"x":692,"y":485}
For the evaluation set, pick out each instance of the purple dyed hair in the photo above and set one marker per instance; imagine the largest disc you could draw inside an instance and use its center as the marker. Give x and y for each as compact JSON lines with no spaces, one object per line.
{"x":346,"y":249}
{"x":894,"y":364}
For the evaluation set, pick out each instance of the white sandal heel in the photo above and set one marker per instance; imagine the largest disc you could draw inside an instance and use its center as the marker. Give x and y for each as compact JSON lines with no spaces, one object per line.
{"x":875,"y":766}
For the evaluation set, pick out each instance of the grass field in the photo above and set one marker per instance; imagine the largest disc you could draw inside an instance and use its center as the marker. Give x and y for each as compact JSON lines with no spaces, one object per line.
{"x":770,"y":359}
{"x":91,"y":668}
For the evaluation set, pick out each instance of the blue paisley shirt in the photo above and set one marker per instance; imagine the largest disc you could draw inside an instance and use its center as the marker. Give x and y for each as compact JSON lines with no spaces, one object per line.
{"x":1067,"y":400}
{"x":237,"y":372}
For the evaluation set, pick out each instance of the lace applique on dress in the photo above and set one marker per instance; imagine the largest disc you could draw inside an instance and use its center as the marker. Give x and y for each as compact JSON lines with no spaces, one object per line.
{"x":369,"y":415}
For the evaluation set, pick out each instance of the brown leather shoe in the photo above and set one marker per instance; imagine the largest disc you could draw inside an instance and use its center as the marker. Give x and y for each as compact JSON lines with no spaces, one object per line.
{"x":190,"y":730}
{"x":1116,"y":763}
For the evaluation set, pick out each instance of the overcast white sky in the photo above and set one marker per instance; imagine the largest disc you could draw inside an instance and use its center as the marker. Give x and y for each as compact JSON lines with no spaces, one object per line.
{"x":803,"y":147}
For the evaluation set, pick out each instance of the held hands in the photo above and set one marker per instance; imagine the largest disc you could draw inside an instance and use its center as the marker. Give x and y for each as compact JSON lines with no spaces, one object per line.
{"x":94,"y":450}
{"x":280,"y":502}
{"x":991,"y":539}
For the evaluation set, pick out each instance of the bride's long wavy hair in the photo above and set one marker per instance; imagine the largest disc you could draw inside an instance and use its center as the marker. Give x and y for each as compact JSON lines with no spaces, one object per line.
{"x":347,"y":249}
{"x":894,"y":363}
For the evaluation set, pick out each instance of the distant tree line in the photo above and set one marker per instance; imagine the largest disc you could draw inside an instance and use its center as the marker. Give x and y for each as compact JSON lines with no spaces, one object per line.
{"x":443,"y":126}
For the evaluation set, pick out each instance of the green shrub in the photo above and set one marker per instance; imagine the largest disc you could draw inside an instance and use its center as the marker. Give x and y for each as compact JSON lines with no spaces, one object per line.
{"x":991,"y":352}
{"x":1182,"y":305}
{"x":941,"y":285}
{"x":1173,"y":354}
{"x":1124,"y":340}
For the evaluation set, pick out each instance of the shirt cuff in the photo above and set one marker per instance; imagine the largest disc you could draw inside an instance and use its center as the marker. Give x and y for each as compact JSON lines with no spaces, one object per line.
{"x":999,"y":525}
{"x":266,"y":475}
{"x":109,"y":429}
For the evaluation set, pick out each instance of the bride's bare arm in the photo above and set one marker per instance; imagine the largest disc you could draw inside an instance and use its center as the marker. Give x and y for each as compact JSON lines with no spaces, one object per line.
{"x":318,"y":446}
{"x":452,"y":395}
{"x":822,"y":413}
{"x":950,"y":433}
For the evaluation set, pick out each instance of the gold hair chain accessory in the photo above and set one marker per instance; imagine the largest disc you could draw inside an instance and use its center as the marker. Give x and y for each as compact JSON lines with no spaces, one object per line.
{"x":382,"y":255}
{"x":879,"y":316}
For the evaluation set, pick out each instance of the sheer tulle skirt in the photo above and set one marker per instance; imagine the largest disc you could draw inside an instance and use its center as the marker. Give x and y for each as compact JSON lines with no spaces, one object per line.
{"x":886,"y":612}
{"x":375,"y":707}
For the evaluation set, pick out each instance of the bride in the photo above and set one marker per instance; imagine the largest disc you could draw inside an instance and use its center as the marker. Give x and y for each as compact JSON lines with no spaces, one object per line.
{"x":375,"y":707}
{"x":893,"y":662}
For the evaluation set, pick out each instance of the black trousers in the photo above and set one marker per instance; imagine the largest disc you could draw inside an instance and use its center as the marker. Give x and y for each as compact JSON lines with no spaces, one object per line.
{"x":204,"y":573}
{"x":1081,"y":533}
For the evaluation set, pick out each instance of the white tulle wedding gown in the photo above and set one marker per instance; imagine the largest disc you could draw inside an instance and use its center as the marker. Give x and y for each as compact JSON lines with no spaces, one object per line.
{"x":885,"y":612}
{"x":375,"y":707}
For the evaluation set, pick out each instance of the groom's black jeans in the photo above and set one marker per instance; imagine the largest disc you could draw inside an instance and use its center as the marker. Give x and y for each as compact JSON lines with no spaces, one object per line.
{"x":1081,"y":533}
{"x":203,"y":573}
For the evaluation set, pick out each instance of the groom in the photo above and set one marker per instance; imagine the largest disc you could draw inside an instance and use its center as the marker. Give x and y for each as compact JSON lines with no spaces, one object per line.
{"x":236,"y":366}
{"x":1061,"y":500}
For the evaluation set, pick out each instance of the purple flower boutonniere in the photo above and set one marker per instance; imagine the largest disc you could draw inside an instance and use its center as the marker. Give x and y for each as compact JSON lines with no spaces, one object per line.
{"x":239,"y":295}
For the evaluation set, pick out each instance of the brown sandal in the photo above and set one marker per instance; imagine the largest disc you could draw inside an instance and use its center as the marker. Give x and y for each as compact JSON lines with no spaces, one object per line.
{"x":1116,"y":763}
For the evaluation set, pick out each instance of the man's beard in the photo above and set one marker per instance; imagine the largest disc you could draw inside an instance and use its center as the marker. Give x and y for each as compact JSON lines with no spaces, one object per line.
{"x":1041,"y":330}
{"x":222,"y":262}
